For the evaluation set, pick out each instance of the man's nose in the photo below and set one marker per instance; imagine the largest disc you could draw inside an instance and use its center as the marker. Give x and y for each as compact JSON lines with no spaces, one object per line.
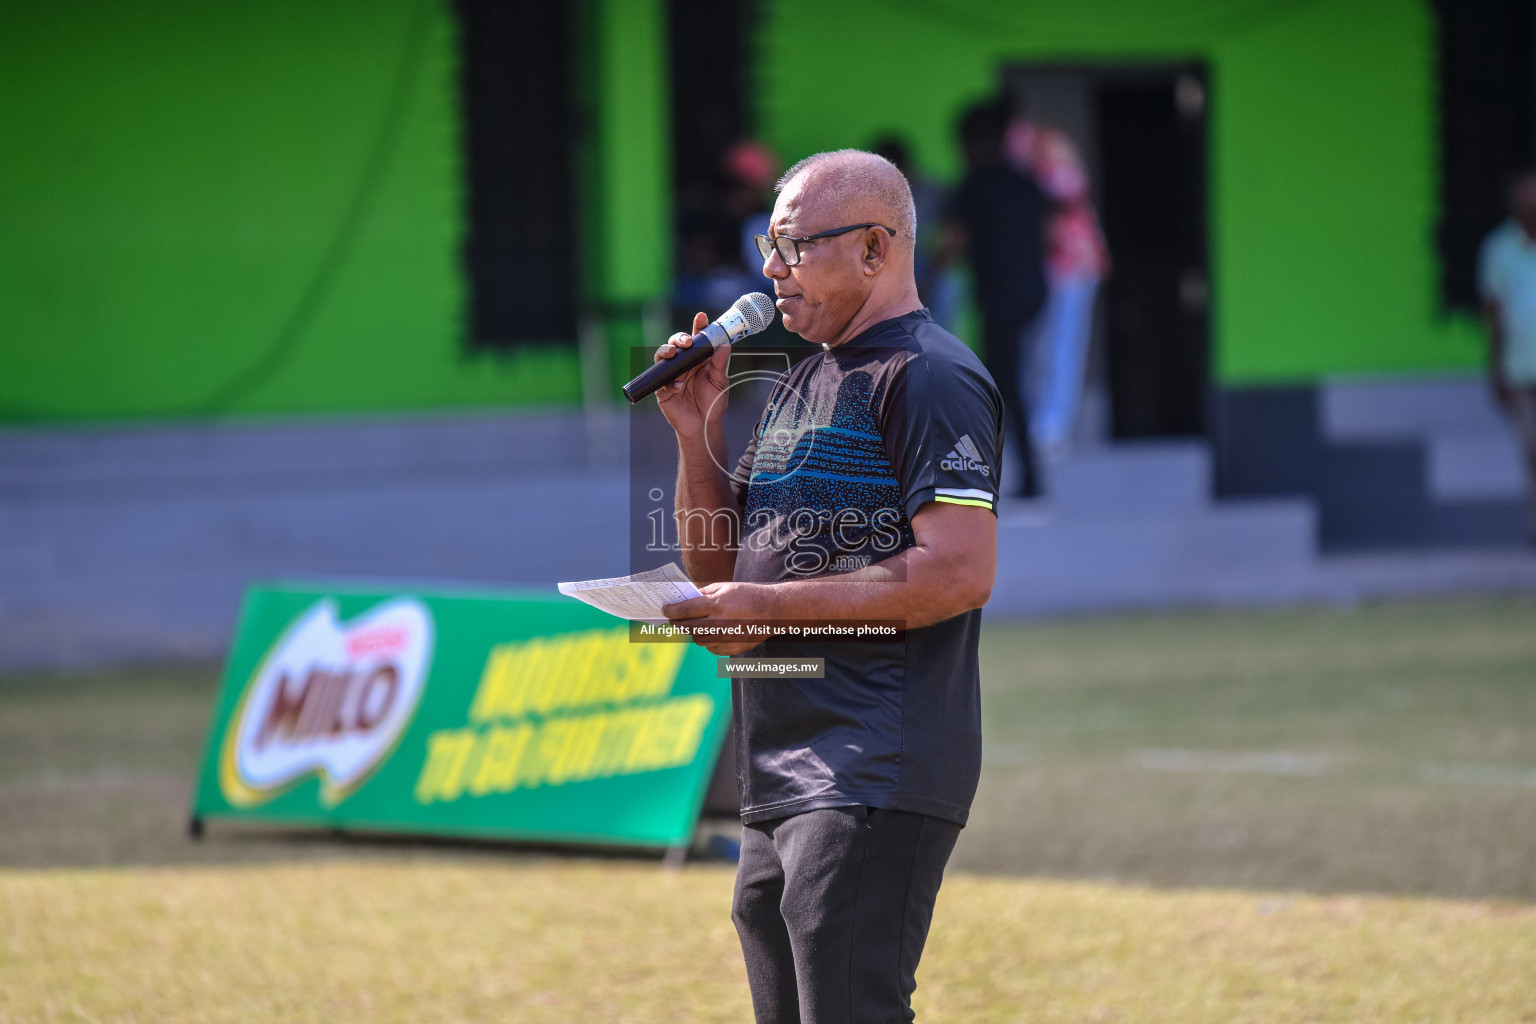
{"x":774,"y":267}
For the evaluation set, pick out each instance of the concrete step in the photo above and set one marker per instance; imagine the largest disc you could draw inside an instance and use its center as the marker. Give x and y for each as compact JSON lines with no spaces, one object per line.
{"x":1237,"y":552}
{"x":1447,"y":466}
{"x":311,"y":455}
{"x":534,"y":528}
{"x":1408,"y":408}
{"x":1476,"y":465}
{"x":164,"y":573}
{"x":1132,"y":479}
{"x":427,"y":534}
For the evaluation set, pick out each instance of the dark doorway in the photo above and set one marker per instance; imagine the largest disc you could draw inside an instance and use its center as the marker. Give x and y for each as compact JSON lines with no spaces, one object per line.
{"x":1141,"y":133}
{"x":1152,"y":146}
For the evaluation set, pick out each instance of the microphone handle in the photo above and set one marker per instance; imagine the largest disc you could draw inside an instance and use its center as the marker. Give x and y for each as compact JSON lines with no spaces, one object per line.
{"x":664,"y":371}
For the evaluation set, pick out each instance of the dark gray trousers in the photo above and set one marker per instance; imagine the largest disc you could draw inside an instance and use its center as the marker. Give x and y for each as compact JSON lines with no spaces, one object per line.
{"x":833,"y":907}
{"x":1523,"y":408}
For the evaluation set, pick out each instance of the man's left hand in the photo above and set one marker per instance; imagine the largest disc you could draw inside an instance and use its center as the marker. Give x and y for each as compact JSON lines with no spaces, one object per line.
{"x":729,"y":602}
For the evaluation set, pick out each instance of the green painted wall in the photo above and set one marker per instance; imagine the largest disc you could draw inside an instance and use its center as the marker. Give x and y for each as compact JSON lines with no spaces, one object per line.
{"x":216,"y":209}
{"x":1322,"y":146}
{"x":254,"y":209}
{"x":628,"y":214}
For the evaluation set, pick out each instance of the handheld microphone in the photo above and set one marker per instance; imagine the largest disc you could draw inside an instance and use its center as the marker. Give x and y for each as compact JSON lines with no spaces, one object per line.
{"x":751,"y":314}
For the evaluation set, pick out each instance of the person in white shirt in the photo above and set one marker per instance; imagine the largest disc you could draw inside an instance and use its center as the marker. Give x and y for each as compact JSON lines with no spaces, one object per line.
{"x":1506,"y":278}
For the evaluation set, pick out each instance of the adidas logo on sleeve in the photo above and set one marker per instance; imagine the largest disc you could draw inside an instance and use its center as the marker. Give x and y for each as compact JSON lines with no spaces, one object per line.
{"x":965,"y":457}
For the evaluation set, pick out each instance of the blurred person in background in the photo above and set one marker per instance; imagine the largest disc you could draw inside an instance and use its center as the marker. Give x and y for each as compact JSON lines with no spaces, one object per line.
{"x":717,"y":259}
{"x":996,"y":219}
{"x":866,"y":497}
{"x":941,"y":289}
{"x":709,"y":276}
{"x":1076,"y":264}
{"x":1506,"y":275}
{"x":751,"y":168}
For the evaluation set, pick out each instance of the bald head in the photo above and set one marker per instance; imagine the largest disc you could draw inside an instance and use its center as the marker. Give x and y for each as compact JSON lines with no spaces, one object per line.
{"x":844,"y":275}
{"x":862,"y":187}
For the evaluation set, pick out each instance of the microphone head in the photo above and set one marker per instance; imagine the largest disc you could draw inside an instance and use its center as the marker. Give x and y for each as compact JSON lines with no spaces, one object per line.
{"x":751,"y":314}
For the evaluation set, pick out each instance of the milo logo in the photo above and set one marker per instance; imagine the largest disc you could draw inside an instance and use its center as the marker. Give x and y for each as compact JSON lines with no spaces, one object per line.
{"x":330,"y":698}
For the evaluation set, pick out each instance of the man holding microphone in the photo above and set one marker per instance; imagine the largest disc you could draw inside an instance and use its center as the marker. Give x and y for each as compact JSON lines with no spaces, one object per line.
{"x":866,"y":495}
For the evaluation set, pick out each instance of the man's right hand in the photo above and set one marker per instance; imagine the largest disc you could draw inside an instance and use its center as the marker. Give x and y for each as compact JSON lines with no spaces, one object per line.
{"x":697,"y":399}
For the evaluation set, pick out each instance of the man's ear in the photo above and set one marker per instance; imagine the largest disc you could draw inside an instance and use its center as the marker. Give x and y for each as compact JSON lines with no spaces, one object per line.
{"x":877,"y":247}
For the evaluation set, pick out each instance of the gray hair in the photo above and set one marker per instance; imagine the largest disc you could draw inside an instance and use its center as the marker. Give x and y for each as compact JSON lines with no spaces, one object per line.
{"x":854,"y":178}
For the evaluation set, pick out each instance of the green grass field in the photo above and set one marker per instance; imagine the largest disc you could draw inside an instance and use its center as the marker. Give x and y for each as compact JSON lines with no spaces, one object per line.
{"x":1299,"y":815}
{"x":424,"y":939}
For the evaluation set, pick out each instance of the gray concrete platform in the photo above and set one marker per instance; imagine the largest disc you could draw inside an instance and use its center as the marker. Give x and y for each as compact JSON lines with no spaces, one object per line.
{"x":137,"y":544}
{"x":1472,"y":451}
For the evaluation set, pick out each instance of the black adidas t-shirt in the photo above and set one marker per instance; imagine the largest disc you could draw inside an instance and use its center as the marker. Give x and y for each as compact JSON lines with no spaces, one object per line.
{"x":853,"y":441}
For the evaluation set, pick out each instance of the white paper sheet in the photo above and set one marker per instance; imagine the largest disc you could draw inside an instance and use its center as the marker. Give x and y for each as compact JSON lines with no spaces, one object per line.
{"x":638,"y":597}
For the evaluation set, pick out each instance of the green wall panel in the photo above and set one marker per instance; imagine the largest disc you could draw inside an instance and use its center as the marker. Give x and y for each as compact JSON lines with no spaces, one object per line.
{"x":217,"y":210}
{"x":627,"y":218}
{"x":213,"y":209}
{"x":632,"y":205}
{"x":1322,"y":146}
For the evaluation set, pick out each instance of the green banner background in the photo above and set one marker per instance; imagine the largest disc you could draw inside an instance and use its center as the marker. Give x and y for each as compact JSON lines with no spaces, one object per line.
{"x":631,"y":806}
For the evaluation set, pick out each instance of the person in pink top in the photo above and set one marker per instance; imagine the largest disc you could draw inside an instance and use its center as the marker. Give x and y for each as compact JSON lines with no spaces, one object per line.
{"x":1077,"y":261}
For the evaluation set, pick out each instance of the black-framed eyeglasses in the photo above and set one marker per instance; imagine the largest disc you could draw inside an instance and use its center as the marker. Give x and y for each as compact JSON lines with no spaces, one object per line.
{"x":789,"y":246}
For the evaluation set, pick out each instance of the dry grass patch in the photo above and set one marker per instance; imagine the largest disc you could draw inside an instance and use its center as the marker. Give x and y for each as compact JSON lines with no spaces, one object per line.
{"x":426,"y":941}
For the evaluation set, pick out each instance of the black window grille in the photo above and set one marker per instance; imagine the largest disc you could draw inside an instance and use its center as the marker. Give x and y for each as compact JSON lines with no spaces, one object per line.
{"x":710,"y":69}
{"x":516,"y":87}
{"x":1486,"y":99}
{"x":711,"y":76}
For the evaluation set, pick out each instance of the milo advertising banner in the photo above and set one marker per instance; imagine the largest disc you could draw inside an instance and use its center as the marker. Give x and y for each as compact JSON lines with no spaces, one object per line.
{"x":488,"y":715}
